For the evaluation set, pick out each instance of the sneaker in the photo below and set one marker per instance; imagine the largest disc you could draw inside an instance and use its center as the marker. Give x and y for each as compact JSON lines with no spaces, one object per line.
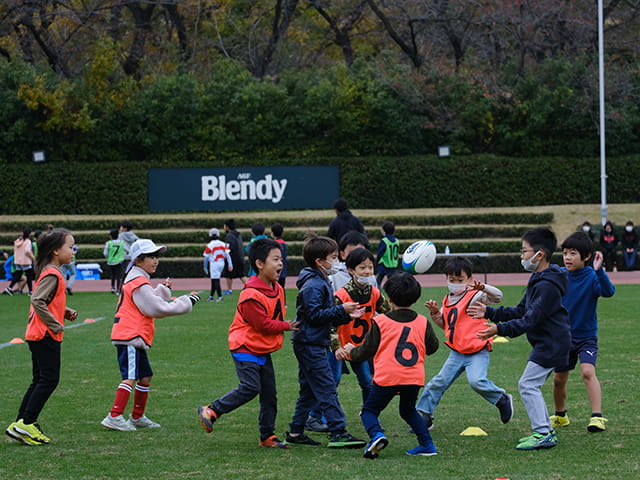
{"x":7,"y":291}
{"x":143,"y":422}
{"x":69,"y":291}
{"x":117,"y":423}
{"x":537,"y":441}
{"x":597,"y":424}
{"x":428,"y":450}
{"x":207,"y":417}
{"x":505,"y":406}
{"x":301,"y":439}
{"x":559,"y":421}
{"x":375,"y":446}
{"x":345,"y":440}
{"x":227,"y":292}
{"x":27,"y":440}
{"x":273,"y":442}
{"x":30,"y":430}
{"x":218,"y":300}
{"x":210,"y":298}
{"x":315,"y":425}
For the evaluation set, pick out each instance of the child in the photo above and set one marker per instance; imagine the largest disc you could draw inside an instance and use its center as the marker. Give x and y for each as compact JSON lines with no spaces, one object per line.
{"x":236,"y":250}
{"x":255,"y":333}
{"x":215,"y":254}
{"x":542,"y":316}
{"x":362,"y":290}
{"x":398,"y":342}
{"x":128,"y":237}
{"x":258,"y":232}
{"x":468,"y":353}
{"x":45,"y":330}
{"x":114,"y":253}
{"x":388,"y":252}
{"x":276,"y":233}
{"x":133,"y":330}
{"x":586,"y":284}
{"x":22,"y":263}
{"x":338,"y":279}
{"x":316,"y":313}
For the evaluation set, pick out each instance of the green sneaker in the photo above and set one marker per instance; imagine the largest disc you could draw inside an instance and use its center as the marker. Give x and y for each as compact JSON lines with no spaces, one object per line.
{"x":537,"y":441}
{"x":19,"y":437}
{"x":31,"y":430}
{"x":559,"y":420}
{"x":345,"y":440}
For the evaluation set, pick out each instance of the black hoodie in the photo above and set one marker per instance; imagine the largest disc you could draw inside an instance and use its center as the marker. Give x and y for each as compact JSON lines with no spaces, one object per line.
{"x":542,"y":316}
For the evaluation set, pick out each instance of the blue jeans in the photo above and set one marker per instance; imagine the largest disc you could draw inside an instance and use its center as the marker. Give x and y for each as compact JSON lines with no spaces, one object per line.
{"x":317,"y":387}
{"x":629,"y":258}
{"x":363,"y":373}
{"x":379,"y":398}
{"x":475,"y":365}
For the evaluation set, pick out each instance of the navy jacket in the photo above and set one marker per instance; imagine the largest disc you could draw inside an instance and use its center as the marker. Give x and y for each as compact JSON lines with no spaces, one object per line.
{"x":316,"y":309}
{"x":344,"y":222}
{"x":542,"y":316}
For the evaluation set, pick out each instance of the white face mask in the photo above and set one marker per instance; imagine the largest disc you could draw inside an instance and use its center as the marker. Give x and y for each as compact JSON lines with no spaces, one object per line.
{"x":369,"y":280}
{"x":628,"y":228}
{"x":331,"y":270}
{"x":529,"y":265}
{"x":455,"y":287}
{"x":586,"y":228}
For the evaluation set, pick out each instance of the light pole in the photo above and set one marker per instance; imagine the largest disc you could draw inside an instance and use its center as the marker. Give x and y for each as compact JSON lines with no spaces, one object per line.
{"x":603,"y":160}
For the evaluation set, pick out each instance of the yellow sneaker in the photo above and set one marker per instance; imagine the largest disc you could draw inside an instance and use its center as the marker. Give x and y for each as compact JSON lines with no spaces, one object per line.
{"x":559,"y":421}
{"x":597,"y":424}
{"x":31,"y":430}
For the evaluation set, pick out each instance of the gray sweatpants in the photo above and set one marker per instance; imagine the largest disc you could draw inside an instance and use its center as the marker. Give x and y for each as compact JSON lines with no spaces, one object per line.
{"x":530,"y":385}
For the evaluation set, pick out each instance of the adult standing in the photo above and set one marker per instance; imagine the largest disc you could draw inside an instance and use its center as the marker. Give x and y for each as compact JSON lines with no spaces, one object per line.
{"x":344,"y":221}
{"x":128,"y":237}
{"x":236,"y":252}
{"x":23,"y":261}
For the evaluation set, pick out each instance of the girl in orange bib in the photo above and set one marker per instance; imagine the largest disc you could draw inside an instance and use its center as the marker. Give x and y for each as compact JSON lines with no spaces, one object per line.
{"x":45,"y":330}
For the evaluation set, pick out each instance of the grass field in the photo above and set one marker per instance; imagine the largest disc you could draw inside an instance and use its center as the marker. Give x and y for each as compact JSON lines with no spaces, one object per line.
{"x":192,"y":367}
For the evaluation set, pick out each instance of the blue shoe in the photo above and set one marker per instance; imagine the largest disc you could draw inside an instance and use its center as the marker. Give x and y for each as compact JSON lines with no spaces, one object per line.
{"x":427,"y":450}
{"x":227,"y":292}
{"x":375,"y":446}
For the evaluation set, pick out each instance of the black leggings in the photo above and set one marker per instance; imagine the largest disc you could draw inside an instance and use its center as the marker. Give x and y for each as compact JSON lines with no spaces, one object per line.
{"x":45,"y":357}
{"x":215,"y":287}
{"x":17,"y":275}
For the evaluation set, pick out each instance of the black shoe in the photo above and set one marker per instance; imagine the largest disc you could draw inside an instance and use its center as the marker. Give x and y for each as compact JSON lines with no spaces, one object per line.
{"x":69,"y":291}
{"x":345,"y":440}
{"x":315,"y":425}
{"x":301,"y":439}
{"x":505,"y":405}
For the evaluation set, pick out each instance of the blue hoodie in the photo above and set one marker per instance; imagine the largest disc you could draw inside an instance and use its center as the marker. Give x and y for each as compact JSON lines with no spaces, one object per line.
{"x":585,"y":286}
{"x":542,"y":316}
{"x":316,"y":309}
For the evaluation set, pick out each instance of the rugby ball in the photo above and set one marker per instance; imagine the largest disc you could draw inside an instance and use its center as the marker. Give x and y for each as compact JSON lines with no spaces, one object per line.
{"x":419,"y":257}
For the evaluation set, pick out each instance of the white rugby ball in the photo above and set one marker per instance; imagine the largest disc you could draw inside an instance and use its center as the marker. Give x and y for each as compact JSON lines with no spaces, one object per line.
{"x":419,"y":257}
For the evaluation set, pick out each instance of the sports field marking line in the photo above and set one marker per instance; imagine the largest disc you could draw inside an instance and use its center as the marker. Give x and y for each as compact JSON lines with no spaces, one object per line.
{"x":75,"y":325}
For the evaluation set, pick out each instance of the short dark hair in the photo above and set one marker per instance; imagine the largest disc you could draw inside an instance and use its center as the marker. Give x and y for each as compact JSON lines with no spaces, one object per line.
{"x":277,"y":229}
{"x":357,"y":256}
{"x":231,"y":223}
{"x":457,"y":265}
{"x":113,"y":233}
{"x":388,"y":227}
{"x":353,"y":237}
{"x":340,"y":205}
{"x":317,"y":247}
{"x":127,"y":225}
{"x":403,"y":289}
{"x":581,"y":242}
{"x":541,"y":238}
{"x":259,"y":250}
{"x":257,"y":228}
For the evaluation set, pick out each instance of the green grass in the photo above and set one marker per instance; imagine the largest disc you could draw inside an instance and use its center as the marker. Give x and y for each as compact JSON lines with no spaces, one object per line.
{"x":192,"y":367}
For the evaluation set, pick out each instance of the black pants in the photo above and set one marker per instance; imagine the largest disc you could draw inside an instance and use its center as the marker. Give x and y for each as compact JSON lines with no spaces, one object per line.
{"x":45,"y":356}
{"x":17,"y":275}
{"x":116,"y":276}
{"x":215,"y":287}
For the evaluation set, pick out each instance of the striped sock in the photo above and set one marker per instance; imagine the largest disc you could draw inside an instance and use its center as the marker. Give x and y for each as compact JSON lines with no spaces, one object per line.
{"x":140,"y":400}
{"x":123,"y":393}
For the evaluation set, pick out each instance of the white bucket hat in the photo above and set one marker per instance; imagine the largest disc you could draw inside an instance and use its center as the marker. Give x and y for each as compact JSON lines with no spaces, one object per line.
{"x":214,"y":232}
{"x":144,"y":246}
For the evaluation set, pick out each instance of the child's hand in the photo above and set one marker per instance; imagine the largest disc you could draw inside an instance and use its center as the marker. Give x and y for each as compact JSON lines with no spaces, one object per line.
{"x":293,"y":325}
{"x":167,"y":283}
{"x":433,"y":306}
{"x":490,"y":331}
{"x":70,"y":314}
{"x":348,"y":347}
{"x":230,"y":268}
{"x":476,"y":285}
{"x":353,"y":309}
{"x":342,"y":354}
{"x":477,"y":310}
{"x":598,"y":260}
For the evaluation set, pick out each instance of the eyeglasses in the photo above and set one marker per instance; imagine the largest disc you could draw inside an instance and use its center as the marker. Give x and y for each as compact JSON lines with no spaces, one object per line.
{"x":522,"y":251}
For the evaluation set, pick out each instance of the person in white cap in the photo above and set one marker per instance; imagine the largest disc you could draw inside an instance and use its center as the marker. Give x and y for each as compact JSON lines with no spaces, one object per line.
{"x":133,"y":330}
{"x":215,"y":254}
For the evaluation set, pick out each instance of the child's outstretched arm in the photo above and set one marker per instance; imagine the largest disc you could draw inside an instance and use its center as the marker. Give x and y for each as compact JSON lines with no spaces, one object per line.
{"x":487,"y":294}
{"x":434,"y":312}
{"x":155,"y":306}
